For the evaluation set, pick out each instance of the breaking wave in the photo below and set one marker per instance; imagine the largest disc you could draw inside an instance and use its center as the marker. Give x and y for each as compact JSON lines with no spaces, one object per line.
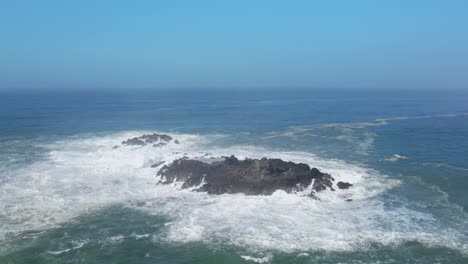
{"x":83,"y":174}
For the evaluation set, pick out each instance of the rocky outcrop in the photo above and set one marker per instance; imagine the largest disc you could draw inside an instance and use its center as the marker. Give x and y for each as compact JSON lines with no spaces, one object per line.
{"x":231,"y":175}
{"x":249,"y":176}
{"x":158,"y":140}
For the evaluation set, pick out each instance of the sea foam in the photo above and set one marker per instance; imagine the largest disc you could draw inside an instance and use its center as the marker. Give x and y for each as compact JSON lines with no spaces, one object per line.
{"x":83,"y":174}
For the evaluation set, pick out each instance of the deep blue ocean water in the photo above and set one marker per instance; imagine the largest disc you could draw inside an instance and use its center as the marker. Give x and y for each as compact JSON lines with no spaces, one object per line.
{"x":67,"y":197}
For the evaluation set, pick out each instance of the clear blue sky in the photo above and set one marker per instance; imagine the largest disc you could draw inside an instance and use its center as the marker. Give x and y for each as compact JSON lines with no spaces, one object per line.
{"x":233,"y":44}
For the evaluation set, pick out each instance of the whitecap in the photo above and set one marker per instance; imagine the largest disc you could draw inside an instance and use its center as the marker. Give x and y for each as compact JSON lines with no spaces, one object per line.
{"x":396,"y":157}
{"x":79,"y":245}
{"x":257,"y":260}
{"x":83,"y":174}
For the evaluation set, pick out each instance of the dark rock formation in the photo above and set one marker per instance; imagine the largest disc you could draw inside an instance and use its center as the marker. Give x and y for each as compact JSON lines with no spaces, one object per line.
{"x":134,"y":142}
{"x":249,"y":176}
{"x":159,"y":140}
{"x":344,"y":185}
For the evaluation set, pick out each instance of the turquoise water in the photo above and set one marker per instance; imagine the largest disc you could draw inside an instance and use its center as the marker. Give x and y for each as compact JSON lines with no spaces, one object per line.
{"x":67,"y":197}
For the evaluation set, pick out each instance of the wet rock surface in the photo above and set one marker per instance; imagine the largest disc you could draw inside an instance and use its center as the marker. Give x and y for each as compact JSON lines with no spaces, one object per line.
{"x":344,"y":185}
{"x":250,"y":176}
{"x":158,"y":140}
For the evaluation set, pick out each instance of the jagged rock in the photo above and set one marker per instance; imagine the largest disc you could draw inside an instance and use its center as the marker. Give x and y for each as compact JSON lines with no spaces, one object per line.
{"x":249,"y":176}
{"x":318,"y":186}
{"x":344,"y":185}
{"x":322,"y":183}
{"x":159,"y":139}
{"x":133,"y":142}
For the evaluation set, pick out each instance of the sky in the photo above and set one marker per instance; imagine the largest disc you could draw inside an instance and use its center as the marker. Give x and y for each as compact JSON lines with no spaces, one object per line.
{"x":220,"y":44}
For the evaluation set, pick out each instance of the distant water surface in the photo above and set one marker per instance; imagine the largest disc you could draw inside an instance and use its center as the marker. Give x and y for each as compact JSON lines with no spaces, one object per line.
{"x":67,"y":197}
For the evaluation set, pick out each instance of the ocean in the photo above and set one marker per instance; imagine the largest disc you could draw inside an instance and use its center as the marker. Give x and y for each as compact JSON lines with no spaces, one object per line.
{"x":66,"y":196}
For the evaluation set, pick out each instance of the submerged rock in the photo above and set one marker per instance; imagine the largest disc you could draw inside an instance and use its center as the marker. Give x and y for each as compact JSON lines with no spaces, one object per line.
{"x":159,"y":140}
{"x":250,"y":176}
{"x":344,"y":185}
{"x":160,"y":144}
{"x":157,"y":164}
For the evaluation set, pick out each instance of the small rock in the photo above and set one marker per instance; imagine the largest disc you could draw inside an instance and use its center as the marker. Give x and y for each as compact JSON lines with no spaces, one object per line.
{"x":344,"y":185}
{"x":147,"y":139}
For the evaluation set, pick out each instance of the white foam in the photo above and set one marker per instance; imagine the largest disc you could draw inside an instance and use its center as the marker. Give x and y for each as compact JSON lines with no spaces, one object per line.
{"x":258,"y":260}
{"x":296,"y":130}
{"x":396,"y":157}
{"x":79,"y":245}
{"x":83,"y":174}
{"x":137,"y":236}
